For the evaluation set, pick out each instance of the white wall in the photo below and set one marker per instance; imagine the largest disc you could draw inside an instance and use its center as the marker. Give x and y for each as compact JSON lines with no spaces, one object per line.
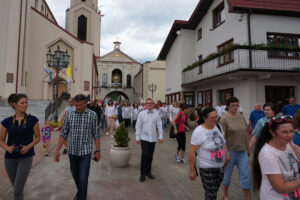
{"x":261,"y":24}
{"x":174,"y":68}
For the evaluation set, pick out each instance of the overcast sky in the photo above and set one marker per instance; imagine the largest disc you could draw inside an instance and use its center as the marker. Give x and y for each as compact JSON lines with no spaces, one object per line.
{"x":140,"y":25}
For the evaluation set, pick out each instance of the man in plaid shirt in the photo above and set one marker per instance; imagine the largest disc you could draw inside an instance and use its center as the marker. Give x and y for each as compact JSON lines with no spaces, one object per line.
{"x":80,"y":129}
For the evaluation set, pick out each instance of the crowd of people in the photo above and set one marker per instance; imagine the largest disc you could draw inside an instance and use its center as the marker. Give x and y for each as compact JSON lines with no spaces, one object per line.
{"x":218,"y":143}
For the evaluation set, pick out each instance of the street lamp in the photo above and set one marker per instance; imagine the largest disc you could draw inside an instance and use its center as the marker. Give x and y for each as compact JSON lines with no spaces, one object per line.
{"x":57,"y":61}
{"x":152,"y":88}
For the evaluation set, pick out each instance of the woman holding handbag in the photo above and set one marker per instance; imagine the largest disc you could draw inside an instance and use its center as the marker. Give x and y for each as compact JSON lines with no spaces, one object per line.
{"x":179,"y":123}
{"x":210,"y":145}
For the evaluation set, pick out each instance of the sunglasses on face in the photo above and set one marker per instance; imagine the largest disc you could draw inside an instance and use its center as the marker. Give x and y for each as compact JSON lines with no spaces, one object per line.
{"x":280,"y":119}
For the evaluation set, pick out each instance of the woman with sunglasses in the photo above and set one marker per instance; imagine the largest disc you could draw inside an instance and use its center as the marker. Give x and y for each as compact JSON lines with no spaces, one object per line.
{"x":276,"y":161}
{"x":296,"y":124}
{"x":270,"y":110}
{"x":23,"y":134}
{"x":209,"y":144}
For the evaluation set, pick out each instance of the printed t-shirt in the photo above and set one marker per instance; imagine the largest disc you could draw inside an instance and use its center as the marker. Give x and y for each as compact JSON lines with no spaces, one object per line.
{"x":211,"y":151}
{"x":274,"y":161}
{"x":46,"y":133}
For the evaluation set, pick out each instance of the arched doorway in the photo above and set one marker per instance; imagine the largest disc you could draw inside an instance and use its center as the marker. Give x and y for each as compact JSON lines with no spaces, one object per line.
{"x":117,"y":96}
{"x":116,"y":78}
{"x":62,"y":88}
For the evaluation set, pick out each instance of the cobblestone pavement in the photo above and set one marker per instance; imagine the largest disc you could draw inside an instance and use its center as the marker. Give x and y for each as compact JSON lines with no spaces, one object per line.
{"x":53,"y":181}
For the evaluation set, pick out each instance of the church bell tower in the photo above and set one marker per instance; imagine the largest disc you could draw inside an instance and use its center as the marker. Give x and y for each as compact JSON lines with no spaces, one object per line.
{"x":83,"y":20}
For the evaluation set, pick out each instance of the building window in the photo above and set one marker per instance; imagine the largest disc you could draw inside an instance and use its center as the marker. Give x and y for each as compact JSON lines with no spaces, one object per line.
{"x":9,"y":78}
{"x":224,"y":94}
{"x":36,"y":4}
{"x":283,"y":40}
{"x":200,"y":66}
{"x":42,"y":8}
{"x":208,"y":98}
{"x":199,"y":35}
{"x":219,"y":15}
{"x":228,"y":57}
{"x":82,"y":26}
{"x":189,"y":98}
{"x":128,"y":80}
{"x":104,"y":79}
{"x":82,"y":0}
{"x":279,"y":94}
{"x":86,"y":86}
{"x":200,"y":98}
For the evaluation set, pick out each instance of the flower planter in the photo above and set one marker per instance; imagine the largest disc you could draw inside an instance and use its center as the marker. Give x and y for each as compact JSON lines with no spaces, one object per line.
{"x":120,"y":156}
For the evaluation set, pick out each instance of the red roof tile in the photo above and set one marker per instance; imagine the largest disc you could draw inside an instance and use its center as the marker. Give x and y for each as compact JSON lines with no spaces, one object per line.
{"x":278,"y":5}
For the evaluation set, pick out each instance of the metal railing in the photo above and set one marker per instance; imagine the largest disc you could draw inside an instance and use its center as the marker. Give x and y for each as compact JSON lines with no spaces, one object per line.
{"x":261,"y":60}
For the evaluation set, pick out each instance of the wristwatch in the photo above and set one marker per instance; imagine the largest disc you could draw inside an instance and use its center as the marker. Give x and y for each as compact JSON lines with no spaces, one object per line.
{"x":96,"y":151}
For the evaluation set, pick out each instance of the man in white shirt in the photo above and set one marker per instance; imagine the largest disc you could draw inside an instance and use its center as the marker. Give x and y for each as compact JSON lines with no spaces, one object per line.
{"x":147,"y":123}
{"x":219,"y":109}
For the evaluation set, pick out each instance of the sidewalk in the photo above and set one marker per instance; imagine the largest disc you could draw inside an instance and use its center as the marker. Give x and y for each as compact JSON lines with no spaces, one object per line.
{"x":50,"y":180}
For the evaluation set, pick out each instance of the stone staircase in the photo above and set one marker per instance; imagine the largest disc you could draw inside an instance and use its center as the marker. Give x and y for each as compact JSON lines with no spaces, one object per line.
{"x":35,"y":107}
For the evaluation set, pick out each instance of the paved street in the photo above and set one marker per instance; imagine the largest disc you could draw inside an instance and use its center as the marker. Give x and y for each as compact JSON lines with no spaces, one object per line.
{"x":50,"y":180}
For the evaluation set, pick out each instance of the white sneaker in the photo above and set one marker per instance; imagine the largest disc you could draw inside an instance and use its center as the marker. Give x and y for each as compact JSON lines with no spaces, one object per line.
{"x":111,"y":136}
{"x":177,"y":158}
{"x":107,"y":133}
{"x":183,"y":161}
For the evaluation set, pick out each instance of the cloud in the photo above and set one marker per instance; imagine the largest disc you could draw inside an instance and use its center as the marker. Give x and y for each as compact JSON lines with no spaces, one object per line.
{"x":141,"y":25}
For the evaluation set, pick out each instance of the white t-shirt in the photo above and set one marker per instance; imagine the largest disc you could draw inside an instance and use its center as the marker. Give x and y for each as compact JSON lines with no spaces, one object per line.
{"x":220,"y":109}
{"x":274,"y":161}
{"x":211,"y":151}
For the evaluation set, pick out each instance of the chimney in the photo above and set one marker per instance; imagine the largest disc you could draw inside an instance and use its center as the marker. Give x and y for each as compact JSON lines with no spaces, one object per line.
{"x":117,"y":45}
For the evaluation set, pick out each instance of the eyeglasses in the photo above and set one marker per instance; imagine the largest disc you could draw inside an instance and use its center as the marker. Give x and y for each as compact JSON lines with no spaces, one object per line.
{"x":280,"y":119}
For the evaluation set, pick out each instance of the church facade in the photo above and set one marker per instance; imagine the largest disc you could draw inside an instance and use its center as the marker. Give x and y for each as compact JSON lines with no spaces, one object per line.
{"x":29,"y":30}
{"x":116,"y":75}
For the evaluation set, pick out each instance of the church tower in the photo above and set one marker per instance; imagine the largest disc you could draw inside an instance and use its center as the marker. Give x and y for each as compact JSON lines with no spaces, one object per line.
{"x":83,"y":19}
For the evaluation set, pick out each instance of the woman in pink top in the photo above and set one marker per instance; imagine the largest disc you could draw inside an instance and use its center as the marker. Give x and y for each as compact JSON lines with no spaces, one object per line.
{"x":179,"y":123}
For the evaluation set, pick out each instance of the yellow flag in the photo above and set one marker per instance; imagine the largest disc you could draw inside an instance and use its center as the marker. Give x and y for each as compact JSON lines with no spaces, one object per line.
{"x":69,"y":73}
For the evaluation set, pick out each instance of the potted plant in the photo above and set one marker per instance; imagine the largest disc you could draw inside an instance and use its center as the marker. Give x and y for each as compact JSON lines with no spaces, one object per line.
{"x":120,"y":153}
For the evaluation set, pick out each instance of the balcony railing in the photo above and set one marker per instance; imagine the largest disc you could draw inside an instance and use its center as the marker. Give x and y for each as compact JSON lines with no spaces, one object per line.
{"x":261,"y":60}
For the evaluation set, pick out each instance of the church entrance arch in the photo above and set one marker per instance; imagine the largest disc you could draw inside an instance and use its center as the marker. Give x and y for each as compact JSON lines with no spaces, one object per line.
{"x":62,"y":88}
{"x":117,"y":96}
{"x":116,"y":78}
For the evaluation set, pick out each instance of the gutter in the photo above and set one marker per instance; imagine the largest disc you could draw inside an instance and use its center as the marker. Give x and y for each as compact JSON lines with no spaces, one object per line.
{"x":19,"y":40}
{"x":249,"y":37}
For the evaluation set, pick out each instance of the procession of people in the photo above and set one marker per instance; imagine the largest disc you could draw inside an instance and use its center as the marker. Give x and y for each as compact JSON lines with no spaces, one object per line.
{"x":218,"y":143}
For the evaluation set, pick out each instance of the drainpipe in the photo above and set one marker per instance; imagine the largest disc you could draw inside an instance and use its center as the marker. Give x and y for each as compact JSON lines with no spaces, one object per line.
{"x":18,"y":61}
{"x":249,"y":37}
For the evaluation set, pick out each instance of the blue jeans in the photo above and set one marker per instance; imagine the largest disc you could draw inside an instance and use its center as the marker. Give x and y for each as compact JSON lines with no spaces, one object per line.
{"x":239,"y":158}
{"x":164,"y":123}
{"x":103,"y":123}
{"x":80,"y":169}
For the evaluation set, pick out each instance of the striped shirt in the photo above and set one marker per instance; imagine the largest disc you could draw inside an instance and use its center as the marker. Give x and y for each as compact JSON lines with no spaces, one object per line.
{"x":80,"y":129}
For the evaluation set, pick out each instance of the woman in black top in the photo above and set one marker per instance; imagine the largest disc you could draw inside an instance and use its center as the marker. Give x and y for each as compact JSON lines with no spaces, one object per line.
{"x":23,"y":133}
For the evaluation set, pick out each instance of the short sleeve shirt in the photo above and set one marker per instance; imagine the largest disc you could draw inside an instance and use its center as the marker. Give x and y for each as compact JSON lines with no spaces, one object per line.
{"x":211,"y":151}
{"x":235,"y":132}
{"x":259,"y":126}
{"x":274,"y":161}
{"x":255,"y":116}
{"x":20,"y":134}
{"x":288,"y":109}
{"x":46,"y":133}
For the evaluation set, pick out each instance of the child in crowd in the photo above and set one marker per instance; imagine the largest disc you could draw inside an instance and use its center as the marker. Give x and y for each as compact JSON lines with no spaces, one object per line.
{"x":46,"y":136}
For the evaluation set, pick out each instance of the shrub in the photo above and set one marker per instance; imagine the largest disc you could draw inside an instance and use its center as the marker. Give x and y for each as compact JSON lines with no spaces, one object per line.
{"x":121,"y":136}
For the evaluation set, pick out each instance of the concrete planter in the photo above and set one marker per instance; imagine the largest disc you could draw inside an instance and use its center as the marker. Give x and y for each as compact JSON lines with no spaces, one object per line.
{"x":120,"y":156}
